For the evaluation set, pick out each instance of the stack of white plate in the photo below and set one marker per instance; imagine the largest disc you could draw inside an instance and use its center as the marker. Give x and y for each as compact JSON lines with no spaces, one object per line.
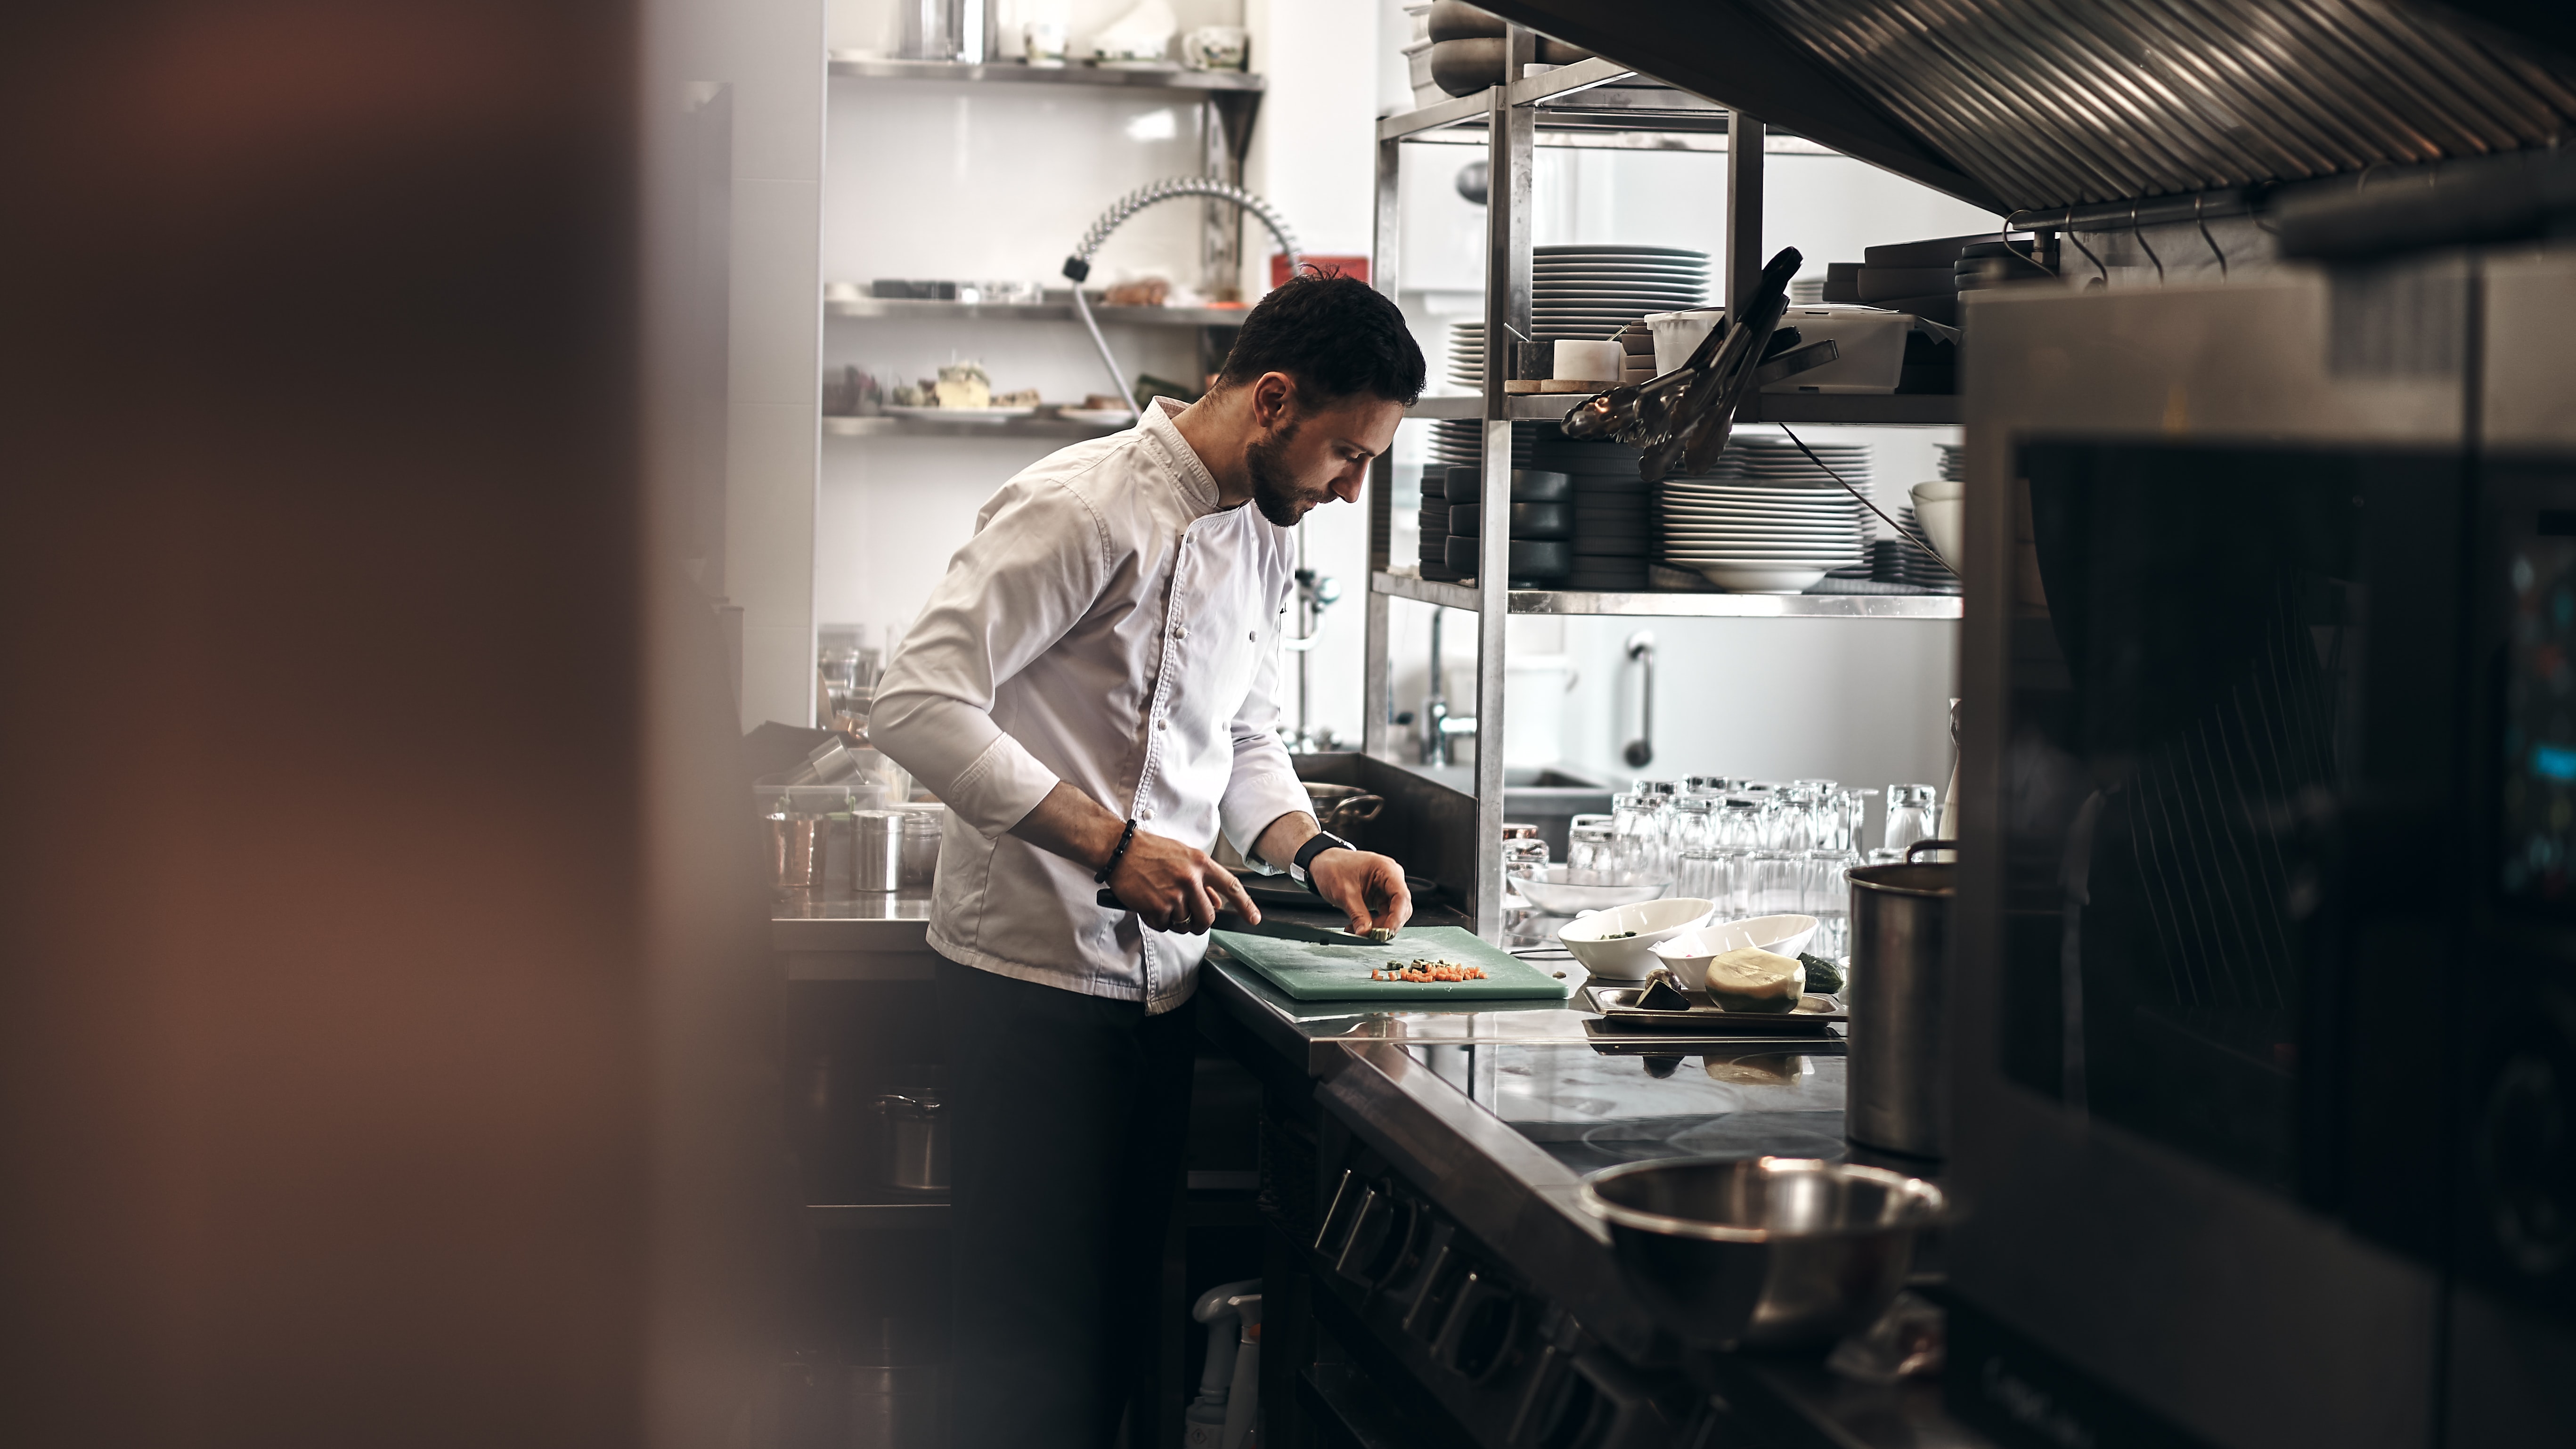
{"x":1768,"y":458}
{"x":1762,"y":529}
{"x":1593,"y":293}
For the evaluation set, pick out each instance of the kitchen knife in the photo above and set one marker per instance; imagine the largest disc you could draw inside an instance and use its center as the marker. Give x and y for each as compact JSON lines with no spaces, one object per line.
{"x":1282,"y":930}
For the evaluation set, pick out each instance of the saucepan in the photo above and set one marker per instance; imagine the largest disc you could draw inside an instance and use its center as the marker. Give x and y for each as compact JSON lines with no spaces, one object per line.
{"x":1344,"y":810}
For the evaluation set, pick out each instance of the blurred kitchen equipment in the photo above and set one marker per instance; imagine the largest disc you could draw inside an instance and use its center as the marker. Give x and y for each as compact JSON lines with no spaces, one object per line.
{"x":1217,"y":47}
{"x":913,"y":1152}
{"x":1345,"y":810}
{"x":1899,"y":1094}
{"x":845,"y":678}
{"x":1222,"y":1309}
{"x":917,"y":853}
{"x":1774,"y":1252}
{"x":877,"y":850}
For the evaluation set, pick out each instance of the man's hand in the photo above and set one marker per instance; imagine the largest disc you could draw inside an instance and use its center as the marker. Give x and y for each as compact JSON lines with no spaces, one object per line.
{"x":1367,"y":887}
{"x":1170,"y":886}
{"x":1176,"y":887}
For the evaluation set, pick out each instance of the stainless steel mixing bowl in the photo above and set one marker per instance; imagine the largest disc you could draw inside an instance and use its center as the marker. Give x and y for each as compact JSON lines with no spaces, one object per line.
{"x":1772,"y":1252}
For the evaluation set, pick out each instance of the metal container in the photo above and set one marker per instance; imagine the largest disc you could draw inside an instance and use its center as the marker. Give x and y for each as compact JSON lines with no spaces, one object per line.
{"x":1898,"y":1098}
{"x":913,"y":1151}
{"x":878,"y":849}
{"x":920,"y":846}
{"x":1774,"y":1252}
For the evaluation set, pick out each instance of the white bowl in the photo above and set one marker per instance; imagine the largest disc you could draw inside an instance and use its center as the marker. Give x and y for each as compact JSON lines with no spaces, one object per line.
{"x":1688,"y":952}
{"x":1627,"y":958}
{"x":1760,"y":577}
{"x":1939,"y":490}
{"x":1945,"y":525}
{"x":1561,"y":890}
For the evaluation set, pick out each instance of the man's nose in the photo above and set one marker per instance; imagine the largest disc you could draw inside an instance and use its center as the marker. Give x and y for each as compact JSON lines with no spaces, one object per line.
{"x":1347,"y":487}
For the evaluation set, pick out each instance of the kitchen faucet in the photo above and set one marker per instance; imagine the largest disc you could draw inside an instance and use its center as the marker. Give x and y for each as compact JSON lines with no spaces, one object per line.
{"x":1439,"y":727}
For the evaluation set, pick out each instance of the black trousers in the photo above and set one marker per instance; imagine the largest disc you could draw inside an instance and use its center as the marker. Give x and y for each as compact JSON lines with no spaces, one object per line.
{"x":1070,"y":1115}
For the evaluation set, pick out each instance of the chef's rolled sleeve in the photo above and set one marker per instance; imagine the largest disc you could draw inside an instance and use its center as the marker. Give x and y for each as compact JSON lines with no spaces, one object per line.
{"x":1007,"y":597}
{"x":1264,"y":785}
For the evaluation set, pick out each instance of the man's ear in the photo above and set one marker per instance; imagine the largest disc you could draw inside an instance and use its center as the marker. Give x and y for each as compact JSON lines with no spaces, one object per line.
{"x":1274,"y":396}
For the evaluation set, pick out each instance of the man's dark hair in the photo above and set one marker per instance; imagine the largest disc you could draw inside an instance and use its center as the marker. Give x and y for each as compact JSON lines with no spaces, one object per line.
{"x":1336,"y":335}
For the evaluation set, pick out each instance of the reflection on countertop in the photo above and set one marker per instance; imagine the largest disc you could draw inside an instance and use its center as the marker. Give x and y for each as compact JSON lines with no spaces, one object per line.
{"x":867,"y":921}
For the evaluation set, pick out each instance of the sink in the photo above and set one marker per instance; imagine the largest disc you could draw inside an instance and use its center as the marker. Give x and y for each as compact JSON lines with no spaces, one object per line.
{"x":1547,"y":796}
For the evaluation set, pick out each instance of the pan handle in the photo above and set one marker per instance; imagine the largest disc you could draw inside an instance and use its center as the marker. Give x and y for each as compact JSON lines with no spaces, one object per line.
{"x":1927,"y":843}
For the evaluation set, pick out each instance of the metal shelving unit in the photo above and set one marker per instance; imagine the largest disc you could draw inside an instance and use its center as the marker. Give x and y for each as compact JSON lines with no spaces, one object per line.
{"x":1675,"y":604}
{"x":1057,"y":308}
{"x":1012,"y":72}
{"x":1599,"y":103}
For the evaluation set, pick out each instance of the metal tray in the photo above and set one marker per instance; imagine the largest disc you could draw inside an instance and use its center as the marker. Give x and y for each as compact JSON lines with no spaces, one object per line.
{"x":1619,"y":1013}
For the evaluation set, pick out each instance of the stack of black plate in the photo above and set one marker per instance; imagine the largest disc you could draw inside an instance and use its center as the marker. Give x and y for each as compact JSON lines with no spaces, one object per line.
{"x":1435,"y":525}
{"x":1541,"y":526}
{"x":1612,"y":513}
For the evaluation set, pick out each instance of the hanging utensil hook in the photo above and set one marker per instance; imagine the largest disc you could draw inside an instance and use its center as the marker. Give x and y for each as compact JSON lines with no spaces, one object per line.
{"x":2199,"y":204}
{"x":2140,"y":238}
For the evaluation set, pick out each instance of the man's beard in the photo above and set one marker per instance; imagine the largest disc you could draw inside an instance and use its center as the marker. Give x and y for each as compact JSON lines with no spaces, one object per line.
{"x":1273,"y":492}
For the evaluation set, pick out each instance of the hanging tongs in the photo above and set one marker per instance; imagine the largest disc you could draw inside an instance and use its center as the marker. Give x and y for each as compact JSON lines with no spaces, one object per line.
{"x":1685,"y":416}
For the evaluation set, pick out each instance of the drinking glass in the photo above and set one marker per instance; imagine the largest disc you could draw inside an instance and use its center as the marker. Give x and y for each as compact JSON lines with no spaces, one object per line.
{"x":1704,"y":874}
{"x":1775,"y":883}
{"x":1591,"y":847}
{"x":1524,"y":853}
{"x":1690,"y":824}
{"x":1911,"y":813}
{"x":1826,"y":890}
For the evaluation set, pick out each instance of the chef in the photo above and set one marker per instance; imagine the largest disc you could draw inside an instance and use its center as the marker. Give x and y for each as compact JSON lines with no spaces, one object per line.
{"x":1090,"y":691}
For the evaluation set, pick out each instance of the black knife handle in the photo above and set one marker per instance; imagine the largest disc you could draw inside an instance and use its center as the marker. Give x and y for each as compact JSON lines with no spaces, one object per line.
{"x":1109,"y":900}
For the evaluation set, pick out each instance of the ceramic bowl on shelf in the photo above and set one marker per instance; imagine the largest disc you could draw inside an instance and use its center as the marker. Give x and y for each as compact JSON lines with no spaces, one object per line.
{"x":1687,"y":952}
{"x":1615,"y":943}
{"x":1758,"y":577}
{"x":1561,"y":890}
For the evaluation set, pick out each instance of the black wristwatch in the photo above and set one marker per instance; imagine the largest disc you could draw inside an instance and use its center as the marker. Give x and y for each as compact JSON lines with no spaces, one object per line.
{"x":1299,"y":869}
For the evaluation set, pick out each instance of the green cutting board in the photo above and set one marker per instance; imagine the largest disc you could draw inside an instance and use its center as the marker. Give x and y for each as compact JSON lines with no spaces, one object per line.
{"x":1311,"y":971}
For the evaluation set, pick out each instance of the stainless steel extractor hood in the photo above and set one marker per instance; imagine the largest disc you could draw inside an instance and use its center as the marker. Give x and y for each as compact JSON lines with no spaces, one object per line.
{"x":2040,"y":104}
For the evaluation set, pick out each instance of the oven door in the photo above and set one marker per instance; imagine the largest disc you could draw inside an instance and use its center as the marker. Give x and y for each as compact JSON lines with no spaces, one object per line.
{"x":2213,"y":743}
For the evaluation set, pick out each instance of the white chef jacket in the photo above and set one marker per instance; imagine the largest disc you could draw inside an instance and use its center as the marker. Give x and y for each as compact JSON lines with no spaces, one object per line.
{"x":1109,"y":626}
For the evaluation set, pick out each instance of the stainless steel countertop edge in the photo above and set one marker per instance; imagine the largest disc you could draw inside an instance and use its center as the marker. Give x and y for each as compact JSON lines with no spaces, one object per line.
{"x":1498,"y":1185}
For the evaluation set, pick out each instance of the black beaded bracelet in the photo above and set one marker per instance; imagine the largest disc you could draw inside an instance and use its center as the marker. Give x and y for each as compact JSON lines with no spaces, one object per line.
{"x":1123,"y":842}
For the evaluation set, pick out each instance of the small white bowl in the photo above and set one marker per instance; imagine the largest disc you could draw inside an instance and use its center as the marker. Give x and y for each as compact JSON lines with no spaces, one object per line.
{"x":1628,"y":958}
{"x":1754,"y":577}
{"x":1688,"y":952}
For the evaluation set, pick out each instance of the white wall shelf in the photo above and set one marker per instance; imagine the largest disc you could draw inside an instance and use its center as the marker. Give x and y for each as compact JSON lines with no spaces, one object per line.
{"x":1660,"y":604}
{"x":1053,"y":310}
{"x":1059,"y":429}
{"x":1012,"y":72}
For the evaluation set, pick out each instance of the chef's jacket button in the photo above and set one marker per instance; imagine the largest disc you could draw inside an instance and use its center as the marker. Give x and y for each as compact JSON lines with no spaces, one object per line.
{"x":1162,"y":724}
{"x":1145,"y":814}
{"x":1254,"y":636}
{"x":1180,"y":631}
